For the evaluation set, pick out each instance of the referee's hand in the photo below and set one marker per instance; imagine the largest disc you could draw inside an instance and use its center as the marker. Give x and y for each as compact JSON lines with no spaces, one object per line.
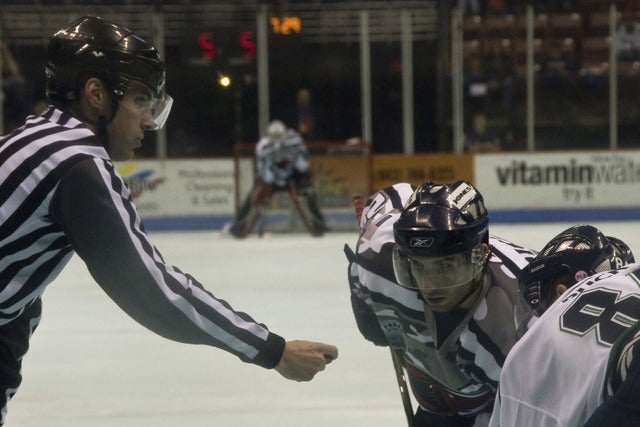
{"x":302,"y":360}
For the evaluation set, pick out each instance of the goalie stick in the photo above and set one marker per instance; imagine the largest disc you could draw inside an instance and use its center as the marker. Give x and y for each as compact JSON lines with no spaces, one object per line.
{"x":402,"y":385}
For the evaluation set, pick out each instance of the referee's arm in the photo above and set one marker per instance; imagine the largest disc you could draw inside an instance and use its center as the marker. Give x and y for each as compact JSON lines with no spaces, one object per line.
{"x":103,"y":227}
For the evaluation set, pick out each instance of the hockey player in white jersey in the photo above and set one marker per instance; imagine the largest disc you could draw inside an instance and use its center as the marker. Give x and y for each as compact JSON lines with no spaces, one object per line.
{"x":282,"y":164}
{"x":428,"y":281}
{"x":582,"y":349}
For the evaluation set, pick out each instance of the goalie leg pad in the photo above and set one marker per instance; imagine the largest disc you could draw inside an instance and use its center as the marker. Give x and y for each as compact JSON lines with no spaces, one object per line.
{"x":251,"y":210}
{"x":305,"y":202}
{"x":242,"y":227}
{"x":310,"y":212}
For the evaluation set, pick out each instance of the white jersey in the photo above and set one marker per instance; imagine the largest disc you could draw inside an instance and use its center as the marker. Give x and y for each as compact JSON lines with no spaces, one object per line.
{"x":276,"y":161}
{"x":556,"y":374}
{"x":453,"y":360}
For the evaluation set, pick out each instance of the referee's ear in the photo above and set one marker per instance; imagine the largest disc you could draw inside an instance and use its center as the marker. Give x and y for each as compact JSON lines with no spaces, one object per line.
{"x":95,"y":93}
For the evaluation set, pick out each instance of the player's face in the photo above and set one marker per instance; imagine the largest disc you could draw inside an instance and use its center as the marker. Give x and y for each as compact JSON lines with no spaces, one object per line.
{"x":445,"y":282}
{"x":133,"y":117}
{"x":446,"y":299}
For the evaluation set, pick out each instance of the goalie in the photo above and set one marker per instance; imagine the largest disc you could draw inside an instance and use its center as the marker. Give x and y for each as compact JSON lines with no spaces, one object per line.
{"x":282,"y":164}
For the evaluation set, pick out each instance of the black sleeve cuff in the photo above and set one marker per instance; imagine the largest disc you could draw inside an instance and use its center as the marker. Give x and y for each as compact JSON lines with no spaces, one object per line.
{"x":270,"y":355}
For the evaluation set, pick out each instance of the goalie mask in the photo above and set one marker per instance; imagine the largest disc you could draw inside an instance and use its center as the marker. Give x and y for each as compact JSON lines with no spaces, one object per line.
{"x":92,"y":46}
{"x":276,"y":131}
{"x":573,"y":255}
{"x":439,"y":238}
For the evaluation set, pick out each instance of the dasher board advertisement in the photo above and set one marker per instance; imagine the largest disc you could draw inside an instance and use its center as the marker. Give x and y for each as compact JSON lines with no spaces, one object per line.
{"x":561,"y":185}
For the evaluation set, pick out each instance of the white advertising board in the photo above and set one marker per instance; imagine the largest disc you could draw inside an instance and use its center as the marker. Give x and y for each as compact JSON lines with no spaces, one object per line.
{"x":181,"y":187}
{"x":559,"y":180}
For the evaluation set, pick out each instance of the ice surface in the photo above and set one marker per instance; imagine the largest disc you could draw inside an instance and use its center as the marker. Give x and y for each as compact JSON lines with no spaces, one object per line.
{"x":90,"y":365}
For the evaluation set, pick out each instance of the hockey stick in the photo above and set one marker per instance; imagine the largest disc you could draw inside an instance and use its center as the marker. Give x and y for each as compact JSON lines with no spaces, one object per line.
{"x":402,"y":384}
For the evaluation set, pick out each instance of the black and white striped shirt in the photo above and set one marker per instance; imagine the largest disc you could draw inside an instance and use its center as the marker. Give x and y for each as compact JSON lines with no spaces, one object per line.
{"x":60,"y":194}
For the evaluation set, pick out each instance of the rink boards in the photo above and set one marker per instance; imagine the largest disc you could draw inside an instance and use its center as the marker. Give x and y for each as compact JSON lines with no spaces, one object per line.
{"x":517,"y":187}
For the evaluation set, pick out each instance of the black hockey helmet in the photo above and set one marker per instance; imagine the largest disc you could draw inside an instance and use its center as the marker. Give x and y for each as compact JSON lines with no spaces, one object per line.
{"x":440,"y":220}
{"x":92,"y":46}
{"x":573,"y":255}
{"x":624,"y":251}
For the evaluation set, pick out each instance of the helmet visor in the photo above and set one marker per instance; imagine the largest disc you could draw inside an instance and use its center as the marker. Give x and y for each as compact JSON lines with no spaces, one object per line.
{"x":157,"y":108}
{"x":429,"y":272}
{"x":160,"y":108}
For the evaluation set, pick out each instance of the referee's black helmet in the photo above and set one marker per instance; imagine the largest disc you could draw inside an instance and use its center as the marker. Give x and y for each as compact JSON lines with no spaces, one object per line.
{"x":92,"y":46}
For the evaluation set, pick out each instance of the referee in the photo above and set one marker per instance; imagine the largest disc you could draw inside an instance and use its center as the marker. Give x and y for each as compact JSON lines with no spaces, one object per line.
{"x":60,"y":193}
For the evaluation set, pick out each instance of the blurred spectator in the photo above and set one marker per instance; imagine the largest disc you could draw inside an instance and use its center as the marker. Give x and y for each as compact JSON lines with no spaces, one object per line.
{"x":16,"y":105}
{"x":469,"y":7}
{"x":500,"y":75}
{"x":307,"y":119}
{"x":628,"y":38}
{"x":488,"y":7}
{"x":496,"y":7}
{"x":476,"y":84}
{"x":556,"y":6}
{"x":560,"y":69}
{"x":479,"y":138}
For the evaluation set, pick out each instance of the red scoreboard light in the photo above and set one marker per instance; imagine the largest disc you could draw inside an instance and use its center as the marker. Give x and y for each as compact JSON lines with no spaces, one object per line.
{"x":207,"y":45}
{"x":210,"y":46}
{"x":248,"y":44}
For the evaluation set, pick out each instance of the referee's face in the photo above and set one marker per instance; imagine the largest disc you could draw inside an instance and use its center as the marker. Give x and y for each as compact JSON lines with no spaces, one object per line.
{"x":132,"y":118}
